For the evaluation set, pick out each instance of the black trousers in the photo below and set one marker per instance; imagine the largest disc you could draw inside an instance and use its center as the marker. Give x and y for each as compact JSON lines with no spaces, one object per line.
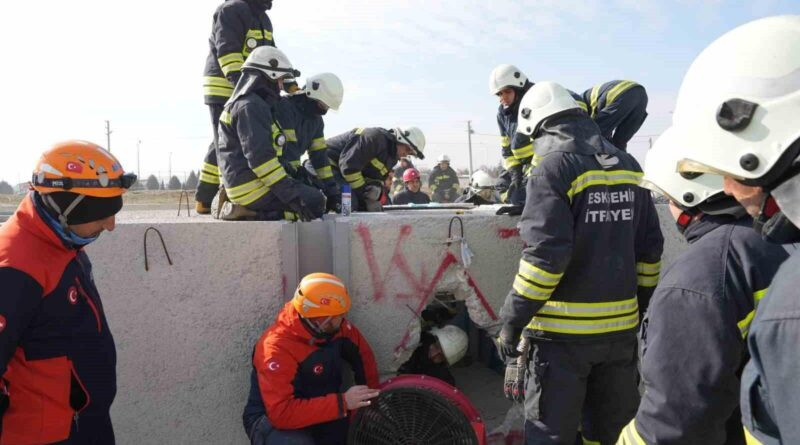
{"x":622,"y":119}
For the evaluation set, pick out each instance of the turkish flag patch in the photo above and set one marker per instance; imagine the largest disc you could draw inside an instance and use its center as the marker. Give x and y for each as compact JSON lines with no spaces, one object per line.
{"x":2,"y":323}
{"x":319,"y":369}
{"x":74,"y":167}
{"x":72,"y":295}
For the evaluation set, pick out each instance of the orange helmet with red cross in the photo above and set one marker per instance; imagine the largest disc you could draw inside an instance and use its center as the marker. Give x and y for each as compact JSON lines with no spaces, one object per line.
{"x":321,"y":295}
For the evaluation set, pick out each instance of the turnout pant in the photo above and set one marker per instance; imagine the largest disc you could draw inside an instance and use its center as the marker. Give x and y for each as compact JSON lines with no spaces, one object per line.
{"x":586,"y":387}
{"x":622,"y":119}
{"x":209,"y":175}
{"x":270,"y":208}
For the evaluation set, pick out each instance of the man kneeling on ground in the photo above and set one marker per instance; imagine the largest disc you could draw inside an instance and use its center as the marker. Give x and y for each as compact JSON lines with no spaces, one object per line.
{"x":295,"y":386}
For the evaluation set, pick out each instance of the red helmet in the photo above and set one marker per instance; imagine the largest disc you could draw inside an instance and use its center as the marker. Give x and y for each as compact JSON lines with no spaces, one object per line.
{"x":410,"y":174}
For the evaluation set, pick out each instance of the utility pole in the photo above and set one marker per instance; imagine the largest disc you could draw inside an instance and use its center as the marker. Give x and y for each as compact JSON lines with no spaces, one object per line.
{"x":138,"y":164}
{"x":170,"y":166}
{"x":108,"y":135}
{"x":469,"y":141}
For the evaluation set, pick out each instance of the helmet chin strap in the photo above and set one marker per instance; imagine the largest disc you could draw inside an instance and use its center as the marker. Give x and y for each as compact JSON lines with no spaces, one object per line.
{"x":62,"y":216}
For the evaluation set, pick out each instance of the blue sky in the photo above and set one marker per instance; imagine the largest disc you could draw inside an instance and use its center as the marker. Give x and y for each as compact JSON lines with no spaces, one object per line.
{"x":425,"y":63}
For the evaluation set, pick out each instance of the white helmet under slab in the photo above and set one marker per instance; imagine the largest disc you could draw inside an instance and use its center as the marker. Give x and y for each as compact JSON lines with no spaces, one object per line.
{"x":506,"y":76}
{"x":453,"y":341}
{"x":270,"y":61}
{"x":443,"y":158}
{"x":543,"y":100}
{"x":737,"y":109}
{"x":481,"y":180}
{"x":326,"y":88}
{"x":413,"y":137}
{"x":661,"y":175}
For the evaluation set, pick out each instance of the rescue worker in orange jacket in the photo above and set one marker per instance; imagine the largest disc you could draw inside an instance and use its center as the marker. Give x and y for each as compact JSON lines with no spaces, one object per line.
{"x":57,"y":356}
{"x":295,"y":395}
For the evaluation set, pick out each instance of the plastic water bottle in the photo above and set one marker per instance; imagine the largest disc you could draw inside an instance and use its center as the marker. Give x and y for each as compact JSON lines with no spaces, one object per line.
{"x":347,"y":204}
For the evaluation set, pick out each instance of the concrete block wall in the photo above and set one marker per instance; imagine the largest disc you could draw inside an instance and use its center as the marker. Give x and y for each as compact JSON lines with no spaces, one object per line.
{"x":185,"y":332}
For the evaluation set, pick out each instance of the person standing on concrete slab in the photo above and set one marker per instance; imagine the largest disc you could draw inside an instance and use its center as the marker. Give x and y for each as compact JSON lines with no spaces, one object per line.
{"x":298,"y":363}
{"x":619,"y":108}
{"x":256,"y":184}
{"x":700,"y":312}
{"x":412,"y":193}
{"x":443,"y":181}
{"x":57,"y":355}
{"x":239,"y":27}
{"x":736,"y":116}
{"x":591,"y":263}
{"x":299,"y":118}
{"x":363,"y":158}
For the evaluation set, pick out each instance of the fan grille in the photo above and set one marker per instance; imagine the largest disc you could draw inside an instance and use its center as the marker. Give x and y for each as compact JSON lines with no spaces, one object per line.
{"x":411,"y":416}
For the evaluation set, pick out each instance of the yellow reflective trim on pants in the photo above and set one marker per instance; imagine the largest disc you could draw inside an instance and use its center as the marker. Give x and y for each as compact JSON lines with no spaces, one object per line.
{"x":538,"y":275}
{"x":600,"y":177}
{"x":758,"y":295}
{"x":593,"y":99}
{"x":630,"y":436}
{"x":589,"y":442}
{"x":210,"y":168}
{"x":505,"y":141}
{"x":243,"y":189}
{"x":267,"y":167}
{"x":208,"y":178}
{"x":620,"y":88}
{"x":584,"y":327}
{"x":290,"y":216}
{"x":290,"y":134}
{"x":359,"y":130}
{"x":325,"y":173}
{"x":274,"y":177}
{"x":589,"y":310}
{"x":648,"y":268}
{"x":356,"y":180}
{"x":318,"y":144}
{"x":252,"y":196}
{"x":511,"y":161}
{"x":523,"y":152}
{"x":647,"y":280}
{"x":225,"y":117}
{"x":380,"y":166}
{"x":749,"y":439}
{"x":530,"y":290}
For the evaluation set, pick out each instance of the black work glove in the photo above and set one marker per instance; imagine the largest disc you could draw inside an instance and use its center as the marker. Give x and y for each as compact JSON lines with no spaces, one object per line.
{"x":334,"y":202}
{"x":510,"y":210}
{"x":507,"y":342}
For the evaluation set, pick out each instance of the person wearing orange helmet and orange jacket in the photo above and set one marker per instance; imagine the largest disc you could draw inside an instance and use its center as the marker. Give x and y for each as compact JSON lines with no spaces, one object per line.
{"x":295,"y":390}
{"x":57,"y":355}
{"x":412,"y":193}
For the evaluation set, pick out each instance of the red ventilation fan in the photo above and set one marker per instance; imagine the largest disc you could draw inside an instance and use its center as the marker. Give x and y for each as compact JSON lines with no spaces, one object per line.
{"x":418,"y":410}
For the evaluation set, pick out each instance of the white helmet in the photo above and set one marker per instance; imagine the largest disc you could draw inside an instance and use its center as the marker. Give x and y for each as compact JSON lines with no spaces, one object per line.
{"x":270,"y":61}
{"x":661,"y":176}
{"x":325,"y":88}
{"x":453,"y":341}
{"x":413,"y":137}
{"x":737,"y":109}
{"x":543,"y":100}
{"x":443,"y":158}
{"x":481,"y":180}
{"x":506,"y":76}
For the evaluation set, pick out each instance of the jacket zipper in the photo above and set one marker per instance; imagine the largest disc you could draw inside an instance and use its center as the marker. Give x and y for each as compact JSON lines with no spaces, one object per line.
{"x":76,"y":415}
{"x":91,"y":304}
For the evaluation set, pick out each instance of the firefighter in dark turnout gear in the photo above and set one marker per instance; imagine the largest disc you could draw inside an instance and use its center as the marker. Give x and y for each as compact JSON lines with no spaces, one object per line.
{"x":239,"y":26}
{"x":593,"y":258}
{"x":736,"y":116}
{"x":443,"y":181}
{"x":362,"y":158}
{"x":256,"y":184}
{"x":57,"y":355}
{"x":299,"y":117}
{"x":701,"y":311}
{"x":510,"y":84}
{"x":619,"y":108}
{"x":295,"y":388}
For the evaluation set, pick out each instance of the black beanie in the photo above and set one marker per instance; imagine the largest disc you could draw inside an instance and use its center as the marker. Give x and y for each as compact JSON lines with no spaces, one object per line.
{"x":89,"y":209}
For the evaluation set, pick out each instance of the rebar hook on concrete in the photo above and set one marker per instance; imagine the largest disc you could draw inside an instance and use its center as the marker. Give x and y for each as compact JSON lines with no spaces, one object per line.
{"x":450,"y":238}
{"x":163,"y":244}
{"x":180,"y":203}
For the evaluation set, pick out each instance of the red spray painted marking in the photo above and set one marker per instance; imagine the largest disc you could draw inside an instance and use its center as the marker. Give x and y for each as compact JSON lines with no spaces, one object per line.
{"x":398,"y":259}
{"x":506,"y":233}
{"x":481,"y":297}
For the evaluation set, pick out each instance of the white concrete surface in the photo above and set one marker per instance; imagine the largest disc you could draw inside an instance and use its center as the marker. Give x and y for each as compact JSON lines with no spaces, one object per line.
{"x":185,"y":332}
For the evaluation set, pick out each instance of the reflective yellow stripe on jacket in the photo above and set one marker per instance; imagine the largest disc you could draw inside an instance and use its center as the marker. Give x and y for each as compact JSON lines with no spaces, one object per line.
{"x":744,"y":324}
{"x":209,"y":174}
{"x":602,"y":177}
{"x":248,"y":192}
{"x":356,"y":180}
{"x":217,"y":86}
{"x":256,"y":34}
{"x":505,"y":141}
{"x":318,"y":144}
{"x":325,"y":172}
{"x":379,"y":166}
{"x":231,"y":62}
{"x":563,"y":317}
{"x":523,"y":152}
{"x":630,"y":436}
{"x":511,"y":161}
{"x":647,"y":274}
{"x":535,"y":283}
{"x":749,"y":439}
{"x":611,"y":95}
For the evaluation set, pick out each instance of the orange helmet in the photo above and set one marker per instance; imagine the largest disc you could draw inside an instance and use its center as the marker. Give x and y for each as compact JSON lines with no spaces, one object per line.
{"x":83,"y":168}
{"x":321,"y":295}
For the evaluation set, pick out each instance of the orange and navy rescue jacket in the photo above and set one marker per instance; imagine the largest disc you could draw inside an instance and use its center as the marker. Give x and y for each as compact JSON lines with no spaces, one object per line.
{"x":297,"y":379}
{"x":57,"y":356}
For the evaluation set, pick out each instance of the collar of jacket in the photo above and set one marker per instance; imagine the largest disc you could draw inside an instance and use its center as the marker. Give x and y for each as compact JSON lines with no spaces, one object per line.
{"x":28,"y":218}
{"x":290,"y":325}
{"x":697,"y":229}
{"x":571,"y":133}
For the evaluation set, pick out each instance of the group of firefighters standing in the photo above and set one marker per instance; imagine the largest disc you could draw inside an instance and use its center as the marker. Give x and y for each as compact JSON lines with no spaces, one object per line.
{"x":716,"y":351}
